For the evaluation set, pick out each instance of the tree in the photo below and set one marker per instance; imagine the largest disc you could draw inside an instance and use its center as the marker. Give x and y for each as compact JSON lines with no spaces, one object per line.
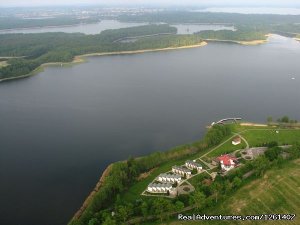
{"x":162,"y":207}
{"x":270,"y":119}
{"x":227,"y":186}
{"x":93,"y":221}
{"x":294,"y":151}
{"x":109,"y":221}
{"x":273,"y":153}
{"x":236,"y":182}
{"x":285,"y":119}
{"x":272,"y":144}
{"x":123,"y":212}
{"x":194,"y":171}
{"x":133,"y":169}
{"x":179,"y":205}
{"x":216,"y":187}
{"x":144,"y":209}
{"x":198,"y":198}
{"x":261,"y":164}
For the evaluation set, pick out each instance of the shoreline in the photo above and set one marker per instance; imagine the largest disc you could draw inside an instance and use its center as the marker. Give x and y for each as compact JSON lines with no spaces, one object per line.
{"x":82,"y":58}
{"x":90,"y":196}
{"x":297,"y":39}
{"x":252,"y":43}
{"x":3,"y":31}
{"x":249,"y":43}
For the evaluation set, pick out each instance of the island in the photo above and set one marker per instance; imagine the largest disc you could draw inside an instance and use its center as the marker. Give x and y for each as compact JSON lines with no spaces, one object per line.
{"x":235,"y":169}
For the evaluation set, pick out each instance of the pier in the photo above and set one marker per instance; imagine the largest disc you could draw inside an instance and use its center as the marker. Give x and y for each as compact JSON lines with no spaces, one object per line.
{"x":225,"y":120}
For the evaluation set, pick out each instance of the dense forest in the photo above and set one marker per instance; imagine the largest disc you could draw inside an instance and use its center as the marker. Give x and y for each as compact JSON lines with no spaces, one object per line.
{"x":15,"y":22}
{"x":207,"y":17}
{"x":32,"y":50}
{"x":239,"y":35}
{"x":249,"y":26}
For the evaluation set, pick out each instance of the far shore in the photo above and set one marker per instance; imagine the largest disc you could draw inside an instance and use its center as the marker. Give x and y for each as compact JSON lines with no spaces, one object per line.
{"x":253,"y":42}
{"x":43,"y":27}
{"x":82,"y":58}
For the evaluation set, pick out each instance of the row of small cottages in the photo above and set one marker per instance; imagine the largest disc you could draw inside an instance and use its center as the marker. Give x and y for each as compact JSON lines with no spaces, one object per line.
{"x":159,"y":188}
{"x":168,"y":179}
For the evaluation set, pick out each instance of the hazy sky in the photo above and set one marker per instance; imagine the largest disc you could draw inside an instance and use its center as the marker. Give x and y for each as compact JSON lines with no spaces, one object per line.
{"x":288,"y":3}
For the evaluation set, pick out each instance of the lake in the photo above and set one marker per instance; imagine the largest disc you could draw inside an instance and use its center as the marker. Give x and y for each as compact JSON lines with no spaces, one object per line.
{"x":92,"y":28}
{"x":96,"y":28}
{"x":61,"y":128}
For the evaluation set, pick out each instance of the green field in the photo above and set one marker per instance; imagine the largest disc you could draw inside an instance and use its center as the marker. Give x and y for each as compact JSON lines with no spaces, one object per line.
{"x":198,"y":179}
{"x":256,"y":137}
{"x":227,"y":147}
{"x":278,"y":192}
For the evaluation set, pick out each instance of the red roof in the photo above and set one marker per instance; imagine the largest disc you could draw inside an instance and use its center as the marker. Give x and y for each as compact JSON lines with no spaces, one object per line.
{"x":227,"y":159}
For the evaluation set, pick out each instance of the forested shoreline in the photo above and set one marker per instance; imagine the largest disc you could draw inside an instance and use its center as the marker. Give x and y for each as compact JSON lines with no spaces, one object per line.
{"x":33,"y":50}
{"x":7,"y":23}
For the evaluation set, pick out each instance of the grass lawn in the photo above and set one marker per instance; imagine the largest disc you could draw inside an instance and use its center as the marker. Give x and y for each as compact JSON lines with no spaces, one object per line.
{"x":197,"y":180}
{"x":257,"y":137}
{"x":278,"y":192}
{"x":228,"y":147}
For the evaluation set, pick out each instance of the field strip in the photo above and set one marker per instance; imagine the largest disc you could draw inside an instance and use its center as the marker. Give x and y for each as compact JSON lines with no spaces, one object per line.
{"x":283,"y":196}
{"x":288,"y":186}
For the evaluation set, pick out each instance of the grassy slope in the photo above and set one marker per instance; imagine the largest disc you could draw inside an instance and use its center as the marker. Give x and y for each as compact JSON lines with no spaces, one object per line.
{"x":256,"y":137}
{"x":277,"y":192}
{"x":226,"y":148}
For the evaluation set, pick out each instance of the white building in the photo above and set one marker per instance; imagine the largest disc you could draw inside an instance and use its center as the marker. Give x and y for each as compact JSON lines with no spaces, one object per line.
{"x":159,"y":188}
{"x":169,"y":178}
{"x":193,"y":165}
{"x":236,"y":141}
{"x":181,"y":171}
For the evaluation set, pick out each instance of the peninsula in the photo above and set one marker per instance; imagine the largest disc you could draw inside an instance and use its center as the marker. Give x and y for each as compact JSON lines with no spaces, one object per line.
{"x":196,"y":177}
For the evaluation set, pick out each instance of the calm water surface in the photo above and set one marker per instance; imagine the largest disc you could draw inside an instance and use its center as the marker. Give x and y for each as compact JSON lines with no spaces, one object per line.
{"x":96,"y":28}
{"x":194,"y":28}
{"x":61,"y":128}
{"x":93,"y":28}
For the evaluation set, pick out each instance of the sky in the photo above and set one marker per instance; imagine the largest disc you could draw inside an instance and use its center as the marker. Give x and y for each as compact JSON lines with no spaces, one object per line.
{"x":287,"y":3}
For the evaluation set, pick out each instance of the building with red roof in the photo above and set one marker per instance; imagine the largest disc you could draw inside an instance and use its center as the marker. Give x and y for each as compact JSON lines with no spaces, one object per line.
{"x":227,"y":162}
